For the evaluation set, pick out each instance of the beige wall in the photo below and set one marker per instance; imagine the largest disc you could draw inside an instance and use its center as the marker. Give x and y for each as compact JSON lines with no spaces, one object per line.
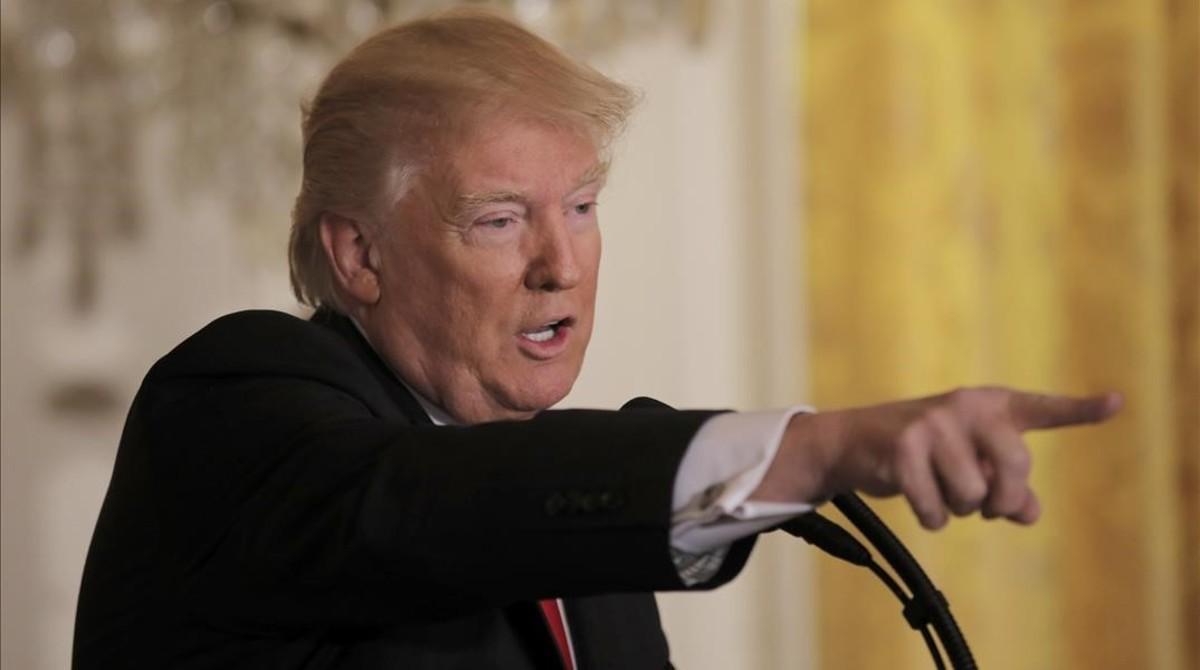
{"x":698,"y":307}
{"x":699,"y":293}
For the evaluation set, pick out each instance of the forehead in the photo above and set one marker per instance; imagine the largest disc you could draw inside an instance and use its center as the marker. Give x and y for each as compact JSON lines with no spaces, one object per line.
{"x":514,"y":151}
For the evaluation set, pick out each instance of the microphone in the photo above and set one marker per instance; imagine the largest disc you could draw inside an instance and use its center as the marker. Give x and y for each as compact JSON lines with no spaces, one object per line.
{"x":642,"y":403}
{"x":837,"y":542}
{"x":828,"y":537}
{"x":927,"y":608}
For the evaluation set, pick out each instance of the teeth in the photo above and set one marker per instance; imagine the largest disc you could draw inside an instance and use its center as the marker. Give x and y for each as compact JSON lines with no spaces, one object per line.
{"x":542,"y":335}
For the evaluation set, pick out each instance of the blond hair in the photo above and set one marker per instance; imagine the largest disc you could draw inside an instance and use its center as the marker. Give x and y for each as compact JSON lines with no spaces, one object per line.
{"x":392,"y":104}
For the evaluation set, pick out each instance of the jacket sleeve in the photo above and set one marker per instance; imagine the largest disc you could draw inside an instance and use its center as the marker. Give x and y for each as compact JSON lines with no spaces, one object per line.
{"x":288,"y":497}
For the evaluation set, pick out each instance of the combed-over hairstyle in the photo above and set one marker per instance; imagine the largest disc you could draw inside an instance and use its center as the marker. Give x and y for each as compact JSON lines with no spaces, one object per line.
{"x":383,"y":113}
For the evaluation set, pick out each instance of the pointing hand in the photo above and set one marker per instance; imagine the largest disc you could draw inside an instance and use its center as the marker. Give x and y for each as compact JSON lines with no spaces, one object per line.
{"x":959,"y":452}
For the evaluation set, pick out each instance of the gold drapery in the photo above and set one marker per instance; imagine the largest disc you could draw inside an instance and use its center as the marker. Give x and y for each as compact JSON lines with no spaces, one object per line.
{"x":1007,"y":192}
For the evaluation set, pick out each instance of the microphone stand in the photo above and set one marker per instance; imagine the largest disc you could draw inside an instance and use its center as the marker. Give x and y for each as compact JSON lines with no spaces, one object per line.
{"x":927,"y":608}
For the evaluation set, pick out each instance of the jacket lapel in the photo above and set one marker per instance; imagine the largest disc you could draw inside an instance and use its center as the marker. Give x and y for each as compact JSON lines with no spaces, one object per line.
{"x":618,"y":631}
{"x":402,"y":400}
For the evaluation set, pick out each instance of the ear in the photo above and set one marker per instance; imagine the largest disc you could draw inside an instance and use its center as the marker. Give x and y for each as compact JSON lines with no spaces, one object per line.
{"x":351,"y":256}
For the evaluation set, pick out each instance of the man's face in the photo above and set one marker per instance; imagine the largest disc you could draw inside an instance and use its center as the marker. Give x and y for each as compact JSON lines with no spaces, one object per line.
{"x":488,"y":272}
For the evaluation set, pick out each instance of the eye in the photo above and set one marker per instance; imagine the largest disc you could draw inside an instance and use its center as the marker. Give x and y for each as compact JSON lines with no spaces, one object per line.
{"x":498,"y":223}
{"x":585,"y":208}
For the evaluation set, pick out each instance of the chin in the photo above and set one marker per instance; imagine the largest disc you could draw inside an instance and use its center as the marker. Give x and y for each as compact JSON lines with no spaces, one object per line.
{"x":544,"y":398}
{"x":542,"y":391}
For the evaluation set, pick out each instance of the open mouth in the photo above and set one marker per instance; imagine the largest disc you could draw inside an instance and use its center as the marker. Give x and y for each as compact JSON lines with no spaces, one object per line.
{"x":547,"y":331}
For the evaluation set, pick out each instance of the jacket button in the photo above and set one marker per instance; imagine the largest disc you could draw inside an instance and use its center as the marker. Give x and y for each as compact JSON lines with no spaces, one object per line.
{"x":610,"y":500}
{"x":556,"y":504}
{"x":588,"y":503}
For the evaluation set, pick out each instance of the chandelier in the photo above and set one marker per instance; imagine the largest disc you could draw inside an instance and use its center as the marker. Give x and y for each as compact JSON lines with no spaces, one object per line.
{"x":211,"y":89}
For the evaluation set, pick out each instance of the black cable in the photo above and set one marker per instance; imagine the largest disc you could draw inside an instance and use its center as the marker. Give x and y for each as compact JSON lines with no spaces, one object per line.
{"x":933,"y":650}
{"x":837,"y":542}
{"x":904,"y":600}
{"x":928,"y":605}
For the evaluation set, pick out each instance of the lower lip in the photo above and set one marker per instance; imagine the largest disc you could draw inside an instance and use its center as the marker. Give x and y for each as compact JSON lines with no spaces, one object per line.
{"x":545,"y":350}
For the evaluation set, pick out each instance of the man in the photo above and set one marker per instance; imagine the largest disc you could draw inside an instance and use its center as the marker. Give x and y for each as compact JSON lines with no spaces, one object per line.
{"x":379,"y":486}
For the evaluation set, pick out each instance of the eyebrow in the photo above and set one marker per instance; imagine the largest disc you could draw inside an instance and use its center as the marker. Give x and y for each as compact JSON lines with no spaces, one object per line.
{"x":469,"y":201}
{"x":598,"y":172}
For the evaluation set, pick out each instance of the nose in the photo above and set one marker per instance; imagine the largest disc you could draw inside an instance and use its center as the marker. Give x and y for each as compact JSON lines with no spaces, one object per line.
{"x":554,"y":263}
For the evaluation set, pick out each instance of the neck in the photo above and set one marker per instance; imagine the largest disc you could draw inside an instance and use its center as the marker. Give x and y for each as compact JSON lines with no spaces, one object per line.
{"x":442,"y":411}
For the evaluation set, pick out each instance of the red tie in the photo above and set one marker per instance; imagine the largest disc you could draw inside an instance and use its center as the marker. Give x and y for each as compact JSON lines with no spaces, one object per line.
{"x":555,"y":620}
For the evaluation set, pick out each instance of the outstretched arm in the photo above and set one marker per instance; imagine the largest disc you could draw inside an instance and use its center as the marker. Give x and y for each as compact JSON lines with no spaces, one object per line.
{"x":959,"y":452}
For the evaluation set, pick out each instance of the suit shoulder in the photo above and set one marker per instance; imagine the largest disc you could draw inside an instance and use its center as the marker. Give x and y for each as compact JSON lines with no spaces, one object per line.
{"x":258,"y":342}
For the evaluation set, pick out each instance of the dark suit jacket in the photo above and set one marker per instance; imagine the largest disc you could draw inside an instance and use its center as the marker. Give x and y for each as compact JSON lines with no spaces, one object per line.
{"x":279,"y":500}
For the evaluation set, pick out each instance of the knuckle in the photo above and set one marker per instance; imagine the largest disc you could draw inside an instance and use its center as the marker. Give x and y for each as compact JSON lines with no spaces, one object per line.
{"x":907,"y":481}
{"x":974,"y":491}
{"x":999,"y":412}
{"x":992,"y":420}
{"x":934,"y":520}
{"x":1018,"y":461}
{"x":996,"y":394}
{"x":1008,"y":505}
{"x":992,"y":404}
{"x":992,"y":509}
{"x":913,"y":438}
{"x":968,"y":399}
{"x":915,"y":494}
{"x":939,"y":419}
{"x":961,"y":507}
{"x":1008,"y":502}
{"x":968,"y":498}
{"x":958,"y":395}
{"x":921,"y":510}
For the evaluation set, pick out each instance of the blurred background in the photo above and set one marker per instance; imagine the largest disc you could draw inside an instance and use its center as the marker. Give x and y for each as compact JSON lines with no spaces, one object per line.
{"x":829,"y":202}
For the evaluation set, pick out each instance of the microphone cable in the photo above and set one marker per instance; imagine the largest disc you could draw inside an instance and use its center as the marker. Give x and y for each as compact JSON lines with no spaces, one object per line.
{"x":928,"y":605}
{"x":925,"y":610}
{"x":837,"y":542}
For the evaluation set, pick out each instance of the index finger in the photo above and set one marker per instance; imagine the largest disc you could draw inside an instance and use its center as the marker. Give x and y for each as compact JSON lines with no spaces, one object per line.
{"x":1035,"y":411}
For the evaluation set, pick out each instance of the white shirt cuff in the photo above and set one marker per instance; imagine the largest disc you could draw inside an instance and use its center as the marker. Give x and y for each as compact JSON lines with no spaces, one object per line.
{"x":724,"y":463}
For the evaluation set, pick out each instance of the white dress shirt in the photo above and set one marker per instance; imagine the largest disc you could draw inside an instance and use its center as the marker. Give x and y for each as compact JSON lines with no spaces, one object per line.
{"x":724,"y":463}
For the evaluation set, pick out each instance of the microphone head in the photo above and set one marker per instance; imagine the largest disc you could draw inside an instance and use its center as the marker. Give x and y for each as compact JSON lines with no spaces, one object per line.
{"x":827,"y":536}
{"x":643,"y":402}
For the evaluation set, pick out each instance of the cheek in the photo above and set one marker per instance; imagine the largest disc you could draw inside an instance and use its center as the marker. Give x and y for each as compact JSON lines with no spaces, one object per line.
{"x":486,"y":305}
{"x":593,"y":252}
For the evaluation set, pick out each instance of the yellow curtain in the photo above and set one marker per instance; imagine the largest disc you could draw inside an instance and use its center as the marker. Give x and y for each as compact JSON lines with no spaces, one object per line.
{"x":1007,"y":192}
